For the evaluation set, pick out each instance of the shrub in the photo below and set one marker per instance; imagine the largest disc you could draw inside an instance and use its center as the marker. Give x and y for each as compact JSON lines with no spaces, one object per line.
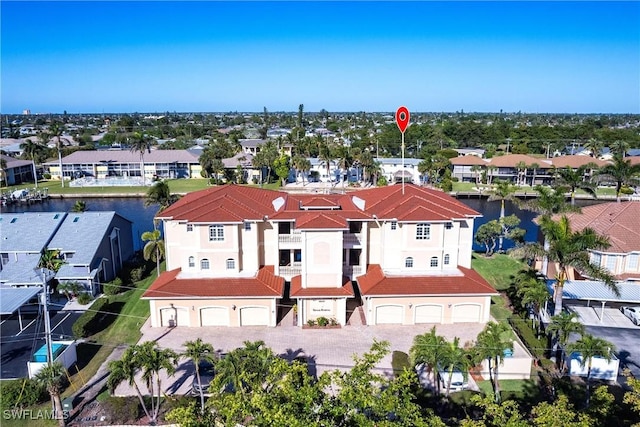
{"x":121,"y":410}
{"x":88,"y":322}
{"x":46,"y":175}
{"x":137,"y":274}
{"x":311,"y":322}
{"x":333,"y":322}
{"x":21,"y":393}
{"x":113,"y":287}
{"x":84,"y":298}
{"x":323,"y":321}
{"x":399,"y":361}
{"x":523,"y":328}
{"x":446,"y":185}
{"x":382,"y":181}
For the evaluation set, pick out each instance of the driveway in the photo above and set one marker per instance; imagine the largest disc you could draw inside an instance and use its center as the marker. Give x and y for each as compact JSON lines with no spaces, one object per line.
{"x":329,"y":349}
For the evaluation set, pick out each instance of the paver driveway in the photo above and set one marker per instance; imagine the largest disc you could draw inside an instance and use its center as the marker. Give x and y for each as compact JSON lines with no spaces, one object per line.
{"x":330,"y":348}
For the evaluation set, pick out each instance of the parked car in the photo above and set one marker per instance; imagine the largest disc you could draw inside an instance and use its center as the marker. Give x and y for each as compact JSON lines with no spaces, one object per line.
{"x":206,"y":377}
{"x":458,"y":383}
{"x":632,"y":313}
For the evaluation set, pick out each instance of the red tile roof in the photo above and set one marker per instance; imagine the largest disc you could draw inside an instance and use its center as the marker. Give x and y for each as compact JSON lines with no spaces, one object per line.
{"x":468,"y":282}
{"x":618,"y":221}
{"x":297,"y":291}
{"x":468,"y":160}
{"x":169,"y":285}
{"x":511,"y":160}
{"x":576,"y":161}
{"x":233,"y":203}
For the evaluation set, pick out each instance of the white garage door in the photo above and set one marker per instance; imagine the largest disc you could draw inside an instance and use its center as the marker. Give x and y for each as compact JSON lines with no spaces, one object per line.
{"x":214,"y":316}
{"x":466,"y":313}
{"x":254,"y":316}
{"x":428,"y":313}
{"x":174,"y":316}
{"x":389,"y":314}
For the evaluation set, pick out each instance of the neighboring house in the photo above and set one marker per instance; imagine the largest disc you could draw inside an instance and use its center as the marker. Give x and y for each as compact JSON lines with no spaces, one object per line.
{"x":574,"y":162}
{"x":24,"y":237}
{"x":463,"y":167}
{"x":231,"y":248}
{"x":103,"y":164}
{"x":253,"y":146}
{"x":478,"y":152}
{"x":393,"y":170}
{"x":18,"y":171}
{"x":94,"y":246}
{"x":509,"y":168}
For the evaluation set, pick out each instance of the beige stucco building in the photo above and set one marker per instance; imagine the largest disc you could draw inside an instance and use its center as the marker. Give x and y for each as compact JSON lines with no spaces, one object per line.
{"x":399,"y":255}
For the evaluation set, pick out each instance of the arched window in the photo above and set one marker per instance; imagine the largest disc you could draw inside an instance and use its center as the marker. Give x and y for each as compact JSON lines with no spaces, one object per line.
{"x":446,"y":259}
{"x":408,"y":262}
{"x":192,"y":262}
{"x":204,"y":264}
{"x":434,"y":261}
{"x":231,"y":264}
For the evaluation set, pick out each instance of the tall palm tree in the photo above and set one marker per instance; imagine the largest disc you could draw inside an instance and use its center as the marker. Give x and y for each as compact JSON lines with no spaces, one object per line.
{"x":534,"y":169}
{"x":301,"y":164}
{"x":455,"y":358}
{"x":344,"y":160}
{"x":35,"y":152}
{"x":51,"y":260}
{"x":491,"y":345}
{"x":561,"y":327}
{"x":595,"y":146}
{"x":549,"y":201}
{"x":199,"y":351}
{"x":619,"y":148}
{"x":429,"y":349}
{"x":623,"y":172}
{"x":533,"y":293}
{"x":52,"y":378}
{"x":477,"y":171}
{"x":366,"y":161}
{"x":522,"y":173}
{"x":504,"y":190}
{"x":154,"y":249}
{"x":139,"y":143}
{"x":325,"y":155}
{"x":570,"y":250}
{"x":574,"y":179}
{"x":589,"y":347}
{"x":55,"y":131}
{"x":160,"y":194}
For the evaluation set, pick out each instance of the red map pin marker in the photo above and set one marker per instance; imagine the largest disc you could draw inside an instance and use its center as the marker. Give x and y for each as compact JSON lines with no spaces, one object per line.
{"x":402,"y":118}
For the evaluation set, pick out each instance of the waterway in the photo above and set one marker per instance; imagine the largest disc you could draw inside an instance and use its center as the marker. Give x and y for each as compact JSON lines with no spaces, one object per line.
{"x":142,"y":217}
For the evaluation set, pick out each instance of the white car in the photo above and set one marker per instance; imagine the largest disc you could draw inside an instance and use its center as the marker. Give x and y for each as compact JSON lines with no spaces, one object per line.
{"x":632,"y":313}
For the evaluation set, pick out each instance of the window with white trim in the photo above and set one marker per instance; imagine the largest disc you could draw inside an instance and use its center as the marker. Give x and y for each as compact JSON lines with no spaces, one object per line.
{"x":189,"y":227}
{"x":408,"y":262}
{"x":231,"y":264}
{"x":192,"y":262}
{"x":446,"y":259}
{"x":448,"y":226}
{"x":434,"y":261}
{"x":247,"y":226}
{"x":216,"y":233}
{"x":632,"y":264}
{"x":423,"y":231}
{"x":611,"y":262}
{"x":596,"y":259}
{"x":394,"y":225}
{"x":204,"y":264}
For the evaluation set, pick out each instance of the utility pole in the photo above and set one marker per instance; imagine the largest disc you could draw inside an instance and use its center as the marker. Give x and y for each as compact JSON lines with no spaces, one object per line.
{"x":47,"y":320}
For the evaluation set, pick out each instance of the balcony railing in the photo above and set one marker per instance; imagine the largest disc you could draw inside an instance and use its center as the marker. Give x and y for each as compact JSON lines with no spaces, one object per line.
{"x":352,"y":238}
{"x":294,"y":237}
{"x":352,"y":270}
{"x":290,"y":270}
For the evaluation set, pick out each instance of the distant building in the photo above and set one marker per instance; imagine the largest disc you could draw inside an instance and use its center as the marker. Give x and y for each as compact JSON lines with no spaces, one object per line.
{"x":17,"y":171}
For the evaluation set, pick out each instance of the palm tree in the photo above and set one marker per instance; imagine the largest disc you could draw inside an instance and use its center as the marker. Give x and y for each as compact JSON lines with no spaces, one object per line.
{"x":561,"y":327}
{"x":55,"y":130}
{"x":595,"y":146}
{"x":3,"y":173}
{"x":623,"y":172}
{"x":570,"y":250}
{"x":326,"y":157}
{"x":455,"y":358}
{"x":477,"y":170}
{"x":490,"y":169}
{"x":522,"y":173}
{"x":139,"y":143}
{"x":160,"y":194}
{"x":148,"y":359}
{"x":199,"y":351}
{"x":52,"y":378}
{"x":70,"y":289}
{"x":533,"y":293}
{"x":504,"y":190}
{"x":619,"y":148}
{"x":534,"y":168}
{"x":573,"y":179}
{"x":429,"y":349}
{"x":79,"y":206}
{"x":549,"y":201}
{"x":35,"y":152}
{"x":301,"y":164}
{"x":50,"y":259}
{"x":589,"y":347}
{"x":366,"y":161}
{"x":344,"y":160}
{"x":154,"y":248}
{"x":491,"y":345}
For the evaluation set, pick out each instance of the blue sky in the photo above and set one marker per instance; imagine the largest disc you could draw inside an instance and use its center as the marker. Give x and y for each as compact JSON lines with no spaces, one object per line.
{"x":569,"y":57}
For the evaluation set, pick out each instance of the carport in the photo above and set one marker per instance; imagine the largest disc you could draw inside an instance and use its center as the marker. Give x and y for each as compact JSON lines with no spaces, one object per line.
{"x":593,"y":290}
{"x":12,"y":299}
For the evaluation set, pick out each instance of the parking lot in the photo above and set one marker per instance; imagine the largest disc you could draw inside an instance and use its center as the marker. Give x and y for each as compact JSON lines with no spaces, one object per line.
{"x":18,"y":346}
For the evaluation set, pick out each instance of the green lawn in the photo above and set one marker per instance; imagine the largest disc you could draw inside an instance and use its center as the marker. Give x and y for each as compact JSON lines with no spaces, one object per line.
{"x":516,"y":387}
{"x":498,"y":269}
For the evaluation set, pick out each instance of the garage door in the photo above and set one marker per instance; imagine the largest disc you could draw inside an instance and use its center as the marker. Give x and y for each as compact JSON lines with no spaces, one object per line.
{"x":174,"y":316}
{"x":214,"y":316}
{"x":428,"y":313}
{"x":466,"y":313}
{"x":389,"y":314}
{"x":254,"y":316}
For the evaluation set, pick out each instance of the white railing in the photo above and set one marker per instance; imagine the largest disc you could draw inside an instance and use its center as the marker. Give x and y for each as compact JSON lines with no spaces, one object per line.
{"x":290,"y":238}
{"x":290,"y":270}
{"x":352,"y":270}
{"x":353,"y":238}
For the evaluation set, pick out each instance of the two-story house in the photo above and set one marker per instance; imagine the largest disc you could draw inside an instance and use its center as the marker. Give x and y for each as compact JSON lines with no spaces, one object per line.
{"x":231,"y":249}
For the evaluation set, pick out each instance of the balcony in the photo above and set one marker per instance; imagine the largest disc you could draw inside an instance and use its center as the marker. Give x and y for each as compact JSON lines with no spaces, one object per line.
{"x":288,"y":271}
{"x":352,"y":271}
{"x":352,"y":238}
{"x":294,"y":237}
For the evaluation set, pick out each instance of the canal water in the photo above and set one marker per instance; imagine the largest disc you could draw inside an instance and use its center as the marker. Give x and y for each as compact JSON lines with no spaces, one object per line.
{"x":142,"y":217}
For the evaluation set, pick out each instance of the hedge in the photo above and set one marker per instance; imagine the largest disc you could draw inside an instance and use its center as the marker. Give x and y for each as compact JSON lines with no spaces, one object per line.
{"x":537,"y":346}
{"x":89,"y":321}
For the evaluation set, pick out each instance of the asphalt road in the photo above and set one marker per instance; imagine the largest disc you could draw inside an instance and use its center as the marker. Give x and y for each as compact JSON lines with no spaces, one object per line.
{"x":17,"y":347}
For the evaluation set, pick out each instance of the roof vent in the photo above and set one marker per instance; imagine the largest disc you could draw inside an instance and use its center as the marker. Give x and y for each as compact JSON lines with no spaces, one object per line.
{"x":358,"y":202}
{"x":278,"y":203}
